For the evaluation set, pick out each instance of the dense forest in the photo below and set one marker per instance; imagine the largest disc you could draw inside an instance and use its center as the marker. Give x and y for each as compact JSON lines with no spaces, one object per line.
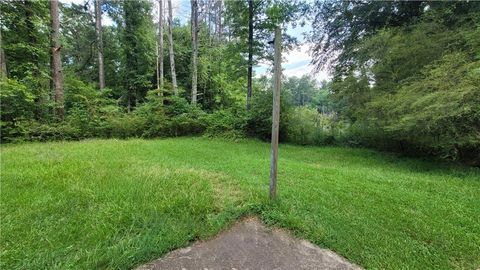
{"x":405,"y":76}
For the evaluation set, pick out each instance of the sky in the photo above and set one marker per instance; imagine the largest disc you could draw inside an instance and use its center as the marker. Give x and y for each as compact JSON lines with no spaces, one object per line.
{"x":296,"y":62}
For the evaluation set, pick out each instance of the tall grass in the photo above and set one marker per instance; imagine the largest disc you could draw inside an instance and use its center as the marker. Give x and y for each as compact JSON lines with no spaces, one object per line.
{"x":109,"y":204}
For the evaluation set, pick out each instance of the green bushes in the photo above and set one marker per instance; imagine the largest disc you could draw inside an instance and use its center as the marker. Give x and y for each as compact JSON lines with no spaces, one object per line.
{"x":416,"y":123}
{"x":230,"y":123}
{"x":16,"y":105}
{"x":307,"y":126}
{"x":94,"y":114}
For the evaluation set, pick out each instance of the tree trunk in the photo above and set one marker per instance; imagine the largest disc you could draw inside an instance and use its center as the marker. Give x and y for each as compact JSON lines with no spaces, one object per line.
{"x":219,"y":20}
{"x":277,"y":80}
{"x":98,"y":29}
{"x":207,"y":17}
{"x":3,"y":64}
{"x":56,"y":69}
{"x":194,"y":22}
{"x":160,"y":48}
{"x":250,"y":52}
{"x":170,"y":47}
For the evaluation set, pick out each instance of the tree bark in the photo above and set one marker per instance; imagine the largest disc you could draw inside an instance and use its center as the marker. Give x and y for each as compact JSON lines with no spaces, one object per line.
{"x":160,"y":48}
{"x":219,"y":18}
{"x":250,"y":52}
{"x":56,"y":69}
{"x":98,"y":29}
{"x":3,"y":63}
{"x":170,"y":48}
{"x":194,"y":22}
{"x":277,"y":80}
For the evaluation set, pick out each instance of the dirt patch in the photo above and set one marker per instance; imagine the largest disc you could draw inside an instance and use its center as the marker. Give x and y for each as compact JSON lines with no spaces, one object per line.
{"x":251,"y":245}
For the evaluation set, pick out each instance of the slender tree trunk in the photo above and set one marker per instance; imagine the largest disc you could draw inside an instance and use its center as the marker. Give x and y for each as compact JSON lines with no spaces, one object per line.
{"x":277,"y":80}
{"x":194,"y":22}
{"x":56,"y":69}
{"x":207,"y":18}
{"x":219,"y":20}
{"x":98,"y":29}
{"x":160,"y":48}
{"x":3,"y":63}
{"x":250,"y":53}
{"x":170,"y":47}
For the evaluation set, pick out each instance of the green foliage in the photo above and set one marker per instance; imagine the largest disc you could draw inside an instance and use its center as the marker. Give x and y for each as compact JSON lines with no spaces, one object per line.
{"x":405,"y":76}
{"x":17,"y":103}
{"x":139,"y":50}
{"x":308,"y":127}
{"x":259,"y":122}
{"x":442,"y":109}
{"x":230,"y":123}
{"x":405,"y":83}
{"x":25,"y":39}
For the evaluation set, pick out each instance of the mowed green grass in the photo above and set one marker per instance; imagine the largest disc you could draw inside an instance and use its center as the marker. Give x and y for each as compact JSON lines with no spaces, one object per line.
{"x":109,"y":204}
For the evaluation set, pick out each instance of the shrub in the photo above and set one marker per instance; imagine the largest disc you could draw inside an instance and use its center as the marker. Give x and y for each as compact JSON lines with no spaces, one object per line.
{"x":230,"y":123}
{"x":308,"y":126}
{"x":259,"y":119}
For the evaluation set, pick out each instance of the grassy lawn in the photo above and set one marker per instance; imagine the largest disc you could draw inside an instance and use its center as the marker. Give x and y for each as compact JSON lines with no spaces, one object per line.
{"x":116,"y":204}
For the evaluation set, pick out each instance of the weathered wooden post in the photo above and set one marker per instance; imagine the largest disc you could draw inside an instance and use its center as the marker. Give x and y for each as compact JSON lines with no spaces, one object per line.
{"x":277,"y":77}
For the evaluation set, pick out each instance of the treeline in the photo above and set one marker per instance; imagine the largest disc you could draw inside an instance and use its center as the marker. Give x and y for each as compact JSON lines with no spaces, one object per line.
{"x":405,"y":74}
{"x":113,"y":69}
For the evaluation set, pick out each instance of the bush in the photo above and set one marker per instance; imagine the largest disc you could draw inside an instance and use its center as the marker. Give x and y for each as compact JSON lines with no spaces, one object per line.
{"x":308,"y":126}
{"x":17,"y":102}
{"x":230,"y":123}
{"x":259,"y":119}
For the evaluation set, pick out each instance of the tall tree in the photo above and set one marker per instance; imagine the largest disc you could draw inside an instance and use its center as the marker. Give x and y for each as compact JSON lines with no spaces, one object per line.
{"x":219,"y":20}
{"x":3,"y":64}
{"x":98,"y":28}
{"x":160,"y":46}
{"x":195,"y":29}
{"x":139,"y":48}
{"x":170,"y":47}
{"x":56,"y":68}
{"x":250,"y":52}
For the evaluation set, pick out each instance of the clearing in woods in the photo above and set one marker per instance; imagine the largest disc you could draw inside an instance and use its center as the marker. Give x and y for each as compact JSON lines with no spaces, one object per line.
{"x":118,"y":204}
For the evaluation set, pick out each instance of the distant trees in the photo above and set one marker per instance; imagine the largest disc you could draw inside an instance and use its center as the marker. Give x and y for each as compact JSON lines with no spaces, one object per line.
{"x":399,"y":82}
{"x":252,"y":22}
{"x":405,"y":74}
{"x":303,"y":90}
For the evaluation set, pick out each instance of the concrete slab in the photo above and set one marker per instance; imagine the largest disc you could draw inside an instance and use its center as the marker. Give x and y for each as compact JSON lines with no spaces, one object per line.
{"x":251,"y":245}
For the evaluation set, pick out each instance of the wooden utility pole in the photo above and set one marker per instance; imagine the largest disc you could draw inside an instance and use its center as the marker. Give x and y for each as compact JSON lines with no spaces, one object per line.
{"x":250,"y":53}
{"x":277,"y":81}
{"x":98,"y":29}
{"x":195,"y":29}
{"x":170,"y":48}
{"x":56,"y":69}
{"x":160,"y":47}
